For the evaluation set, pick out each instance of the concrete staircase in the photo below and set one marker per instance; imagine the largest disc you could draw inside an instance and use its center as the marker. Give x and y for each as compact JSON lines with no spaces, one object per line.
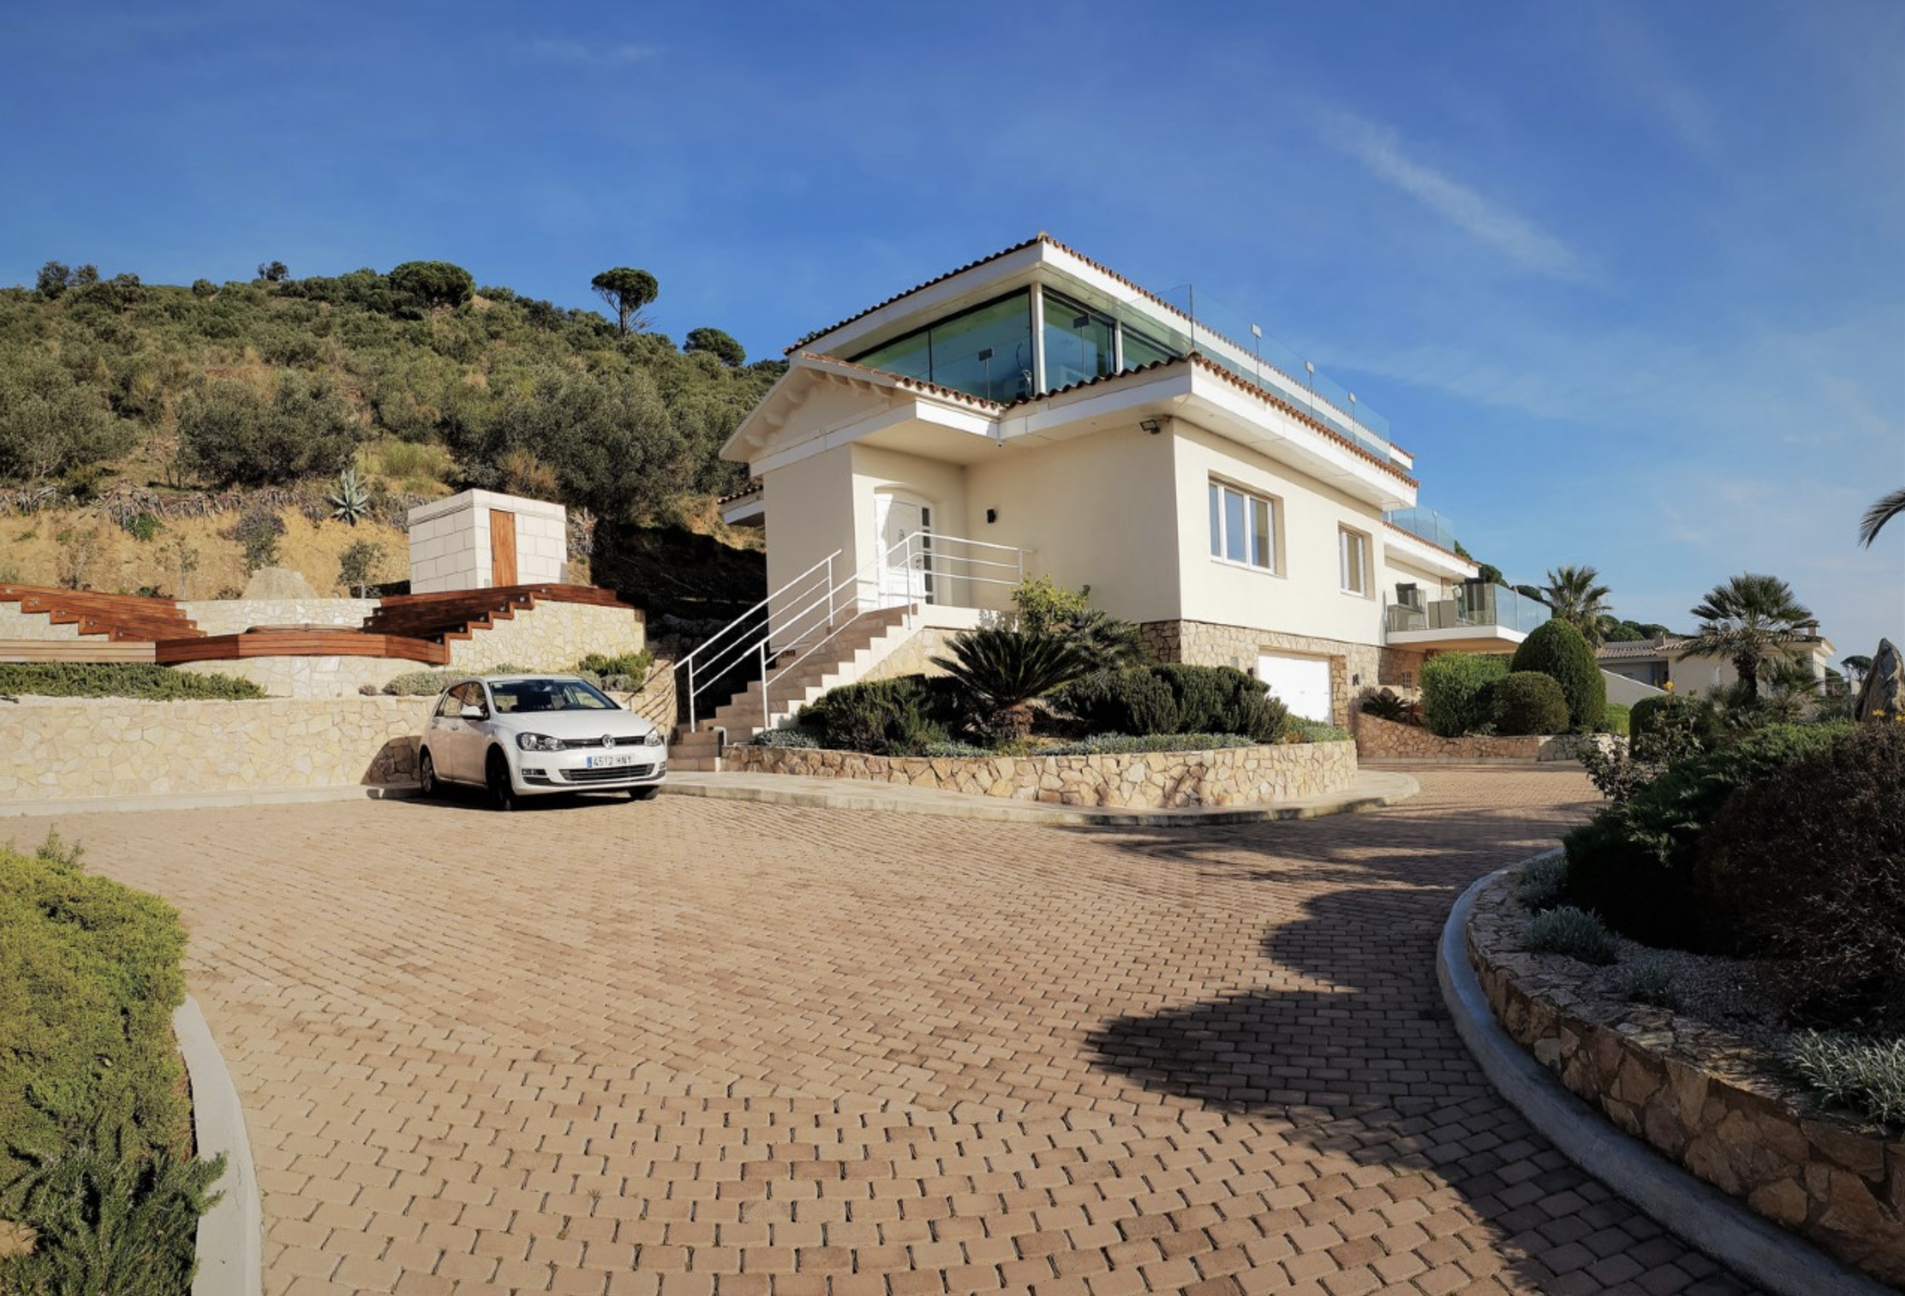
{"x":845,"y":659}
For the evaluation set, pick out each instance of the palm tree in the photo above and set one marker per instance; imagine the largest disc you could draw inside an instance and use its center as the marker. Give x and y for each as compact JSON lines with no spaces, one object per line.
{"x":1576,"y":599}
{"x":1000,"y":671}
{"x":1747,"y":620}
{"x":1884,"y":510}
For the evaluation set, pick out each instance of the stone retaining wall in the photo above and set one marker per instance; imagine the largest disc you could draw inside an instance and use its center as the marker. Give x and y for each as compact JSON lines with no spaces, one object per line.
{"x":310,"y":677}
{"x":1228,"y":776}
{"x":1385,"y":740}
{"x":1694,"y":1094}
{"x":235,"y":616}
{"x":553,"y":637}
{"x":66,"y":748}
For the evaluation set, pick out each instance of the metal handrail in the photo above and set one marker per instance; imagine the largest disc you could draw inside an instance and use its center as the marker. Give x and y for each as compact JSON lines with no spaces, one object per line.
{"x":688,"y":663}
{"x":918,"y":544}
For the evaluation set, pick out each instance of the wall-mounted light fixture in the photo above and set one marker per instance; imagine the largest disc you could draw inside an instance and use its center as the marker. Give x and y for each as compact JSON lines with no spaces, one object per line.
{"x":992,"y":515}
{"x":1153,"y":426}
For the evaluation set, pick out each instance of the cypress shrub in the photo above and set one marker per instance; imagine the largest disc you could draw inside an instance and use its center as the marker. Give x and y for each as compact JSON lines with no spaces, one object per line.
{"x":1806,"y":868}
{"x":1528,"y":702}
{"x":1557,"y":649}
{"x":1455,"y":692}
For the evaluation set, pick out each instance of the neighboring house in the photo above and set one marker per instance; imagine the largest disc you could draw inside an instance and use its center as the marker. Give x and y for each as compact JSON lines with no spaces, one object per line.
{"x":1037,"y":413}
{"x":1666,"y":664}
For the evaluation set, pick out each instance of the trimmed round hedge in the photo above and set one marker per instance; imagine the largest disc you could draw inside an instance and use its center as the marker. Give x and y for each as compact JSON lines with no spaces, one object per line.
{"x":1558,"y":650}
{"x":1528,"y":702}
{"x":1650,"y":716}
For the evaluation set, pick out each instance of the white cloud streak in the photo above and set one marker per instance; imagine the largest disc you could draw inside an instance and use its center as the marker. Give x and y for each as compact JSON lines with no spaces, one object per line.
{"x":1380,"y":152}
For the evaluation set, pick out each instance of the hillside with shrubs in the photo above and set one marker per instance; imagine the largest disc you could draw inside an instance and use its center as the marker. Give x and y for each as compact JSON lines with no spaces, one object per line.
{"x":136,"y":414}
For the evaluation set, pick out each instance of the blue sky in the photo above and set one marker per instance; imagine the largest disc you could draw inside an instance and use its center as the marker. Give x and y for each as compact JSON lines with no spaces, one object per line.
{"x":1628,"y":278}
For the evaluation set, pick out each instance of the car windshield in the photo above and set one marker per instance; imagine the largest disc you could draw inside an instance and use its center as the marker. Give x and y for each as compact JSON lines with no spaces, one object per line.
{"x":521,"y":696}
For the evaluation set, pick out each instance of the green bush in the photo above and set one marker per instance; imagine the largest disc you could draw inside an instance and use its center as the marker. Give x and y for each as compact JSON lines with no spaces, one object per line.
{"x":1649,"y":982}
{"x":1528,"y":702}
{"x":1542,"y":882}
{"x":1634,"y":861}
{"x":1671,"y":721}
{"x":94,"y":1117}
{"x":1570,"y":931}
{"x":1867,"y":1075}
{"x":624,"y":673}
{"x":1115,"y":744}
{"x":793,"y":735}
{"x":1222,"y":699}
{"x":121,"y":679}
{"x":1805,"y":867}
{"x":1134,"y":701}
{"x":423,"y":683}
{"x":1557,"y":649}
{"x":890,"y":717}
{"x":1455,"y":692}
{"x":1614,"y":719}
{"x":1300,"y":730}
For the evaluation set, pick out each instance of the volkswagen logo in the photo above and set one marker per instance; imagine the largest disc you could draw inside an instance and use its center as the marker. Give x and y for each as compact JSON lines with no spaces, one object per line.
{"x":608,"y":740}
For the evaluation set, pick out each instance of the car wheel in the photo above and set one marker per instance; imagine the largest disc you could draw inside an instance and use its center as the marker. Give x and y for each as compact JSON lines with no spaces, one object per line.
{"x":644,"y":793}
{"x":427,"y":782}
{"x":501,"y":795}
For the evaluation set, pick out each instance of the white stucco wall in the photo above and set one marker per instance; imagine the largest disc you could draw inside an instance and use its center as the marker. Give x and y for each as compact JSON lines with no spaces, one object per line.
{"x":1093,"y":511}
{"x":450,"y":541}
{"x":1305,"y":595}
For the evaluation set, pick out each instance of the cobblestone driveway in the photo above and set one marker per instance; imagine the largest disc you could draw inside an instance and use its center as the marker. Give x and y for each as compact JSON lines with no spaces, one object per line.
{"x":700,"y":1046}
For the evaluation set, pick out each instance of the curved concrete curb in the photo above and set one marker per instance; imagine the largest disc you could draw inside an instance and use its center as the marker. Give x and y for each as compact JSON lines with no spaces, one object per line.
{"x":231,"y":1233}
{"x":1373,"y":790}
{"x":1692,"y":1209}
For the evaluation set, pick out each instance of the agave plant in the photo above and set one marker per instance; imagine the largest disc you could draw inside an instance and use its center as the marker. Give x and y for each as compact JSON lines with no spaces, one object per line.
{"x":350,"y":501}
{"x":1000,"y":671}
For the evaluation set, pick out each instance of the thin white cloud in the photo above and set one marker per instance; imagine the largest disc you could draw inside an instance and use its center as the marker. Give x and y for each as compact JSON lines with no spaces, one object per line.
{"x":1642,"y":74}
{"x":604,"y":56}
{"x":1520,"y":240}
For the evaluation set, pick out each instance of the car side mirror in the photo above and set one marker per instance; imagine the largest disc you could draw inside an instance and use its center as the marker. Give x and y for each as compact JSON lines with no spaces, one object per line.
{"x":472,"y":713}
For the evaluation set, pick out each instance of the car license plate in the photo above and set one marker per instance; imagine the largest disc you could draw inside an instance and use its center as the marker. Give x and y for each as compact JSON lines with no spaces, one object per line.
{"x":612,"y":760}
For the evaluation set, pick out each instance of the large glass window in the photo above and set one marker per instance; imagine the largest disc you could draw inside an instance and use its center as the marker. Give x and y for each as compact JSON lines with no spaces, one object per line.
{"x":1243,"y":527}
{"x":986,"y":351}
{"x":1140,"y":350}
{"x":1079,"y":343}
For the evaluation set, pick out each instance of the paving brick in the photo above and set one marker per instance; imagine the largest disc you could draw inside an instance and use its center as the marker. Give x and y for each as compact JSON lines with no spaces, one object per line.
{"x":710,"y":1047}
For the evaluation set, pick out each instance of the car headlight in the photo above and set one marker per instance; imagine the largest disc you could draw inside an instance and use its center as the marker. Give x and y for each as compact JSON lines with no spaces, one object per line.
{"x":654,"y":738}
{"x":538,"y":742}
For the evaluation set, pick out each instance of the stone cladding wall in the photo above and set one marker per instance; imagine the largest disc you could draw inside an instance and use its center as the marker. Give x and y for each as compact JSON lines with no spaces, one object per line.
{"x":553,"y":636}
{"x":310,"y":677}
{"x":235,"y":616}
{"x":1696,"y":1096}
{"x":64,"y":748}
{"x":1202,"y":643}
{"x":1153,"y":780}
{"x":15,"y":624}
{"x":1385,"y":740}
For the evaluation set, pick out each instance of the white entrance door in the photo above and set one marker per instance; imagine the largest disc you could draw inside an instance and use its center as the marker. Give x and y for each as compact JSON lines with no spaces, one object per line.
{"x":1300,"y":683}
{"x":906,"y":564}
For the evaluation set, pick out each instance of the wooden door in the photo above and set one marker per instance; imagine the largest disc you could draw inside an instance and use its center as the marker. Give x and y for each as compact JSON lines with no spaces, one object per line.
{"x":502,"y":547}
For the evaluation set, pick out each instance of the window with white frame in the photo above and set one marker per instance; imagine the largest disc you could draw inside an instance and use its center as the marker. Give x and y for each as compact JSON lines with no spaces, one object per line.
{"x":1243,"y":526}
{"x":1353,"y":550}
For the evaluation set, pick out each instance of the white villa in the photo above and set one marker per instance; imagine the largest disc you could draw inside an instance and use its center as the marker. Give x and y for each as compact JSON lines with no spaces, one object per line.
{"x":1036,"y":413}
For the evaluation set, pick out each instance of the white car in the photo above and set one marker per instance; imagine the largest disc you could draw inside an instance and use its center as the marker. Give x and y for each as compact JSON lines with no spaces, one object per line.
{"x":530,"y":735}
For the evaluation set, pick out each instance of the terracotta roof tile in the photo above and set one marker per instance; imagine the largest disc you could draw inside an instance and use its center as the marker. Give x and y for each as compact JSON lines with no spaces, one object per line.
{"x":1302,"y":417}
{"x":1639,"y":648}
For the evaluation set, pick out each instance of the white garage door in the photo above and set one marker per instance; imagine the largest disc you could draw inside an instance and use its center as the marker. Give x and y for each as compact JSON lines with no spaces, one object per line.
{"x":1300,"y":683}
